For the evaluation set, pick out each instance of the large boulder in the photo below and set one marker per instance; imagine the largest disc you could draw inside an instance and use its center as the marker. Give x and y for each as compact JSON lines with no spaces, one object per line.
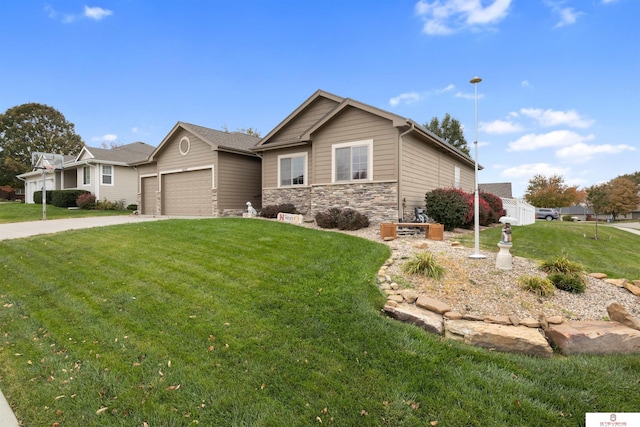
{"x":429,"y":321}
{"x":594,"y":337}
{"x":515,"y":339}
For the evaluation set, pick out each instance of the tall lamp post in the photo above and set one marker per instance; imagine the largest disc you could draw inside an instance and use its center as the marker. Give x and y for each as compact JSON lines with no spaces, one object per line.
{"x":476,"y":198}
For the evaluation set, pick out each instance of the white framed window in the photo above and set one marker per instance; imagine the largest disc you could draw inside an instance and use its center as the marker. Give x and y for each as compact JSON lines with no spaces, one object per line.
{"x":292,"y":170}
{"x":456,"y":177}
{"x":86,"y":175}
{"x":106,"y":175}
{"x":352,"y":161}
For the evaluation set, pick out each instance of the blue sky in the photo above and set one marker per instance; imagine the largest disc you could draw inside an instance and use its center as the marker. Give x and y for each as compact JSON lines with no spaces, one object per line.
{"x":560,"y":91}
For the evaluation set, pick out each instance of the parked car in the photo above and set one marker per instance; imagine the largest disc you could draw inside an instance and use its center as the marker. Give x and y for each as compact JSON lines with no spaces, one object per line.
{"x":546,"y":213}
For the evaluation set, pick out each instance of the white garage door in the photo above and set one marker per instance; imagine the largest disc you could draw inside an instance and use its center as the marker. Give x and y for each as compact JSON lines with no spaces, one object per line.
{"x":187,"y":193}
{"x":149,"y":188}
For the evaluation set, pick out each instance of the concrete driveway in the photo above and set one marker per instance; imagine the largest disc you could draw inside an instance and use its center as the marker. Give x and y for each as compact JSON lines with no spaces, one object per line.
{"x":632,"y":227}
{"x":17,"y":230}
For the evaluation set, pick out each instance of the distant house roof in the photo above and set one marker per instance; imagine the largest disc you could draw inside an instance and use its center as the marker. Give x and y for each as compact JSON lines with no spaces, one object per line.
{"x":219,"y":140}
{"x":500,"y":189}
{"x":124,"y":154}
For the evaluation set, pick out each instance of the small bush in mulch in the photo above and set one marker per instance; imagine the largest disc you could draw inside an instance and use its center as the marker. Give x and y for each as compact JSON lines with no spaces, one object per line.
{"x":271,"y":211}
{"x":424,"y":263}
{"x":342,"y":219}
{"x":573,"y":283}
{"x":132,"y":207}
{"x":538,"y":285}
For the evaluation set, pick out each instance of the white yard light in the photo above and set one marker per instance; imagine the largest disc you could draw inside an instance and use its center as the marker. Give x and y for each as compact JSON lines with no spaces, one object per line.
{"x":476,"y":198}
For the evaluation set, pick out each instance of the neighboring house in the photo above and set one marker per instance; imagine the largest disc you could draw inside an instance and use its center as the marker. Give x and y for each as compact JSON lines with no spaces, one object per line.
{"x":338,"y":152}
{"x":106,"y":173}
{"x":500,"y":189}
{"x":197,"y":171}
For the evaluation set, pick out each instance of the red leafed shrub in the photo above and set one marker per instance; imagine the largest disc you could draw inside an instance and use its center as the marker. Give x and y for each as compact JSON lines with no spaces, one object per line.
{"x":496,"y":209}
{"x":449,"y":206}
{"x":483,"y":212}
{"x":86,"y":201}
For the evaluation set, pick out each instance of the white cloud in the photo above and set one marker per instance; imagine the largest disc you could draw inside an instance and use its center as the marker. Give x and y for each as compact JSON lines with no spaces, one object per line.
{"x":105,"y":138}
{"x":557,"y":138}
{"x":532,"y":169}
{"x":134,"y":129}
{"x":444,"y":17}
{"x":525,"y":83}
{"x":567,"y":16}
{"x":446,"y":89}
{"x":468,"y":95}
{"x":406,"y":98}
{"x":580,"y":152}
{"x":500,"y":127}
{"x":548,"y":117}
{"x":96,"y":13}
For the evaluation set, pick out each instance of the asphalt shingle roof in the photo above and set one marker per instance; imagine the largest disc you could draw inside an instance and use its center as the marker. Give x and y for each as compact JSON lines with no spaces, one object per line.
{"x":233,"y":140}
{"x":130,"y":153}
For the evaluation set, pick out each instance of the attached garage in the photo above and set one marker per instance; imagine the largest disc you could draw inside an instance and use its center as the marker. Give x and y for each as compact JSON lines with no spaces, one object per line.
{"x":188,"y":193}
{"x":149,"y":187}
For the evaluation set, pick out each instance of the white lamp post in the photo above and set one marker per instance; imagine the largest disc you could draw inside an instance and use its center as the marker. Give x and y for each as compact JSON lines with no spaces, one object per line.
{"x":476,"y":198}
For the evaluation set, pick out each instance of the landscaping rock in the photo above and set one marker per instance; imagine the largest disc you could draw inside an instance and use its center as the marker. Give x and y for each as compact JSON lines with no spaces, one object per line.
{"x":636,"y":282}
{"x":594,"y":337}
{"x":530,"y":322}
{"x":515,"y":320}
{"x":390,"y":303}
{"x":429,"y":321}
{"x":499,"y":320}
{"x":632,"y":288}
{"x":389,"y":238}
{"x":432,"y":304}
{"x":422,"y":245}
{"x":598,"y":275}
{"x":618,"y":282}
{"x":518,"y":339}
{"x":397,"y":298}
{"x":473,"y":318}
{"x":554,"y":320}
{"x":453,"y":315}
{"x":410,"y":296}
{"x":618,"y":313}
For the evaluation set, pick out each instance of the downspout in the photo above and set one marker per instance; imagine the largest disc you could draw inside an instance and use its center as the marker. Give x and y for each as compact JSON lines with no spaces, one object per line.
{"x":399,"y":203}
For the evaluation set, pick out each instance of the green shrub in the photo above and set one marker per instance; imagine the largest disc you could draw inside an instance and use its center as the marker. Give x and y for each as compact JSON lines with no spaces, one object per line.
{"x":37,"y":197}
{"x":448,"y":206}
{"x":424,"y":263}
{"x":66,"y":198}
{"x":573,"y":283}
{"x":86,"y":201}
{"x":561,"y":264}
{"x":568,"y":218}
{"x":132,"y":207}
{"x":538,"y":285}
{"x":107,"y":205}
{"x":271,"y":211}
{"x":342,"y":219}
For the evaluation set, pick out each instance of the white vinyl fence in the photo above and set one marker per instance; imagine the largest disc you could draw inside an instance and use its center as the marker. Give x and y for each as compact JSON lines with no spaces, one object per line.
{"x":518,"y":208}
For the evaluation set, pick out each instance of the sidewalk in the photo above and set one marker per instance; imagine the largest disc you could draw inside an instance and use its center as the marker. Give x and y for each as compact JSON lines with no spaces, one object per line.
{"x":17,"y":230}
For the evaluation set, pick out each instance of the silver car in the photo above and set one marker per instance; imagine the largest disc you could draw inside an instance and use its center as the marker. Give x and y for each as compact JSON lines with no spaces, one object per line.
{"x":546,"y":213}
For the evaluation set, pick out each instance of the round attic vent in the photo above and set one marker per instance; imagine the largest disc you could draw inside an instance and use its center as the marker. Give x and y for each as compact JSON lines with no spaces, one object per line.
{"x":185,"y":145}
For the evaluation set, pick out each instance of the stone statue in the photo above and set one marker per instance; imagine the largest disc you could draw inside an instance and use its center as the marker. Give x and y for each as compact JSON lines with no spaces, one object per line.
{"x":250,"y":210}
{"x":506,"y":233}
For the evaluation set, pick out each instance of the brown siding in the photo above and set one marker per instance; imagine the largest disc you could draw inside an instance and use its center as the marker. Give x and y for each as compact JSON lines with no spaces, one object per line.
{"x":238,"y":181}
{"x":170,"y":158}
{"x":307,"y":118}
{"x":356,"y":125}
{"x":425,"y":168}
{"x":125,"y":185}
{"x":148,"y":197}
{"x":270,"y":164}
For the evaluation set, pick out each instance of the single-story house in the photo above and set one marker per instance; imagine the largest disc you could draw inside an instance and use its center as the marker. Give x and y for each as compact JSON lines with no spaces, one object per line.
{"x":106,"y":173}
{"x":338,"y":152}
{"x":197,"y":171}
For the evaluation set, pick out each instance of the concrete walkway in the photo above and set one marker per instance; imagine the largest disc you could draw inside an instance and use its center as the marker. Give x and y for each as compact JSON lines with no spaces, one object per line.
{"x":17,"y":230}
{"x":631,"y":227}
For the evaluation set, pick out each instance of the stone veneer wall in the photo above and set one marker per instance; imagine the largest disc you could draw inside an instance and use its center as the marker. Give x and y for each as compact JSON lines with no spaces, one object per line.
{"x":299,"y":197}
{"x":378,"y":200}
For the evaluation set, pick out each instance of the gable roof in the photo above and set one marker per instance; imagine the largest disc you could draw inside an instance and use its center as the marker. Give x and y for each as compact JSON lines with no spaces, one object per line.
{"x":218,"y":140}
{"x":342,"y":104}
{"x":500,"y":189}
{"x":124,"y":154}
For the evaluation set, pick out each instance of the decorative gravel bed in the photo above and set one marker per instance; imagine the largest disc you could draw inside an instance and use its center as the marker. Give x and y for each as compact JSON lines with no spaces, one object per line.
{"x":477,"y":287}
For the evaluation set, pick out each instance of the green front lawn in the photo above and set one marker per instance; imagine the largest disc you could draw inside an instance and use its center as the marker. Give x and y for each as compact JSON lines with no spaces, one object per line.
{"x":615,"y":253}
{"x":235,"y":322}
{"x":18,"y":212}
